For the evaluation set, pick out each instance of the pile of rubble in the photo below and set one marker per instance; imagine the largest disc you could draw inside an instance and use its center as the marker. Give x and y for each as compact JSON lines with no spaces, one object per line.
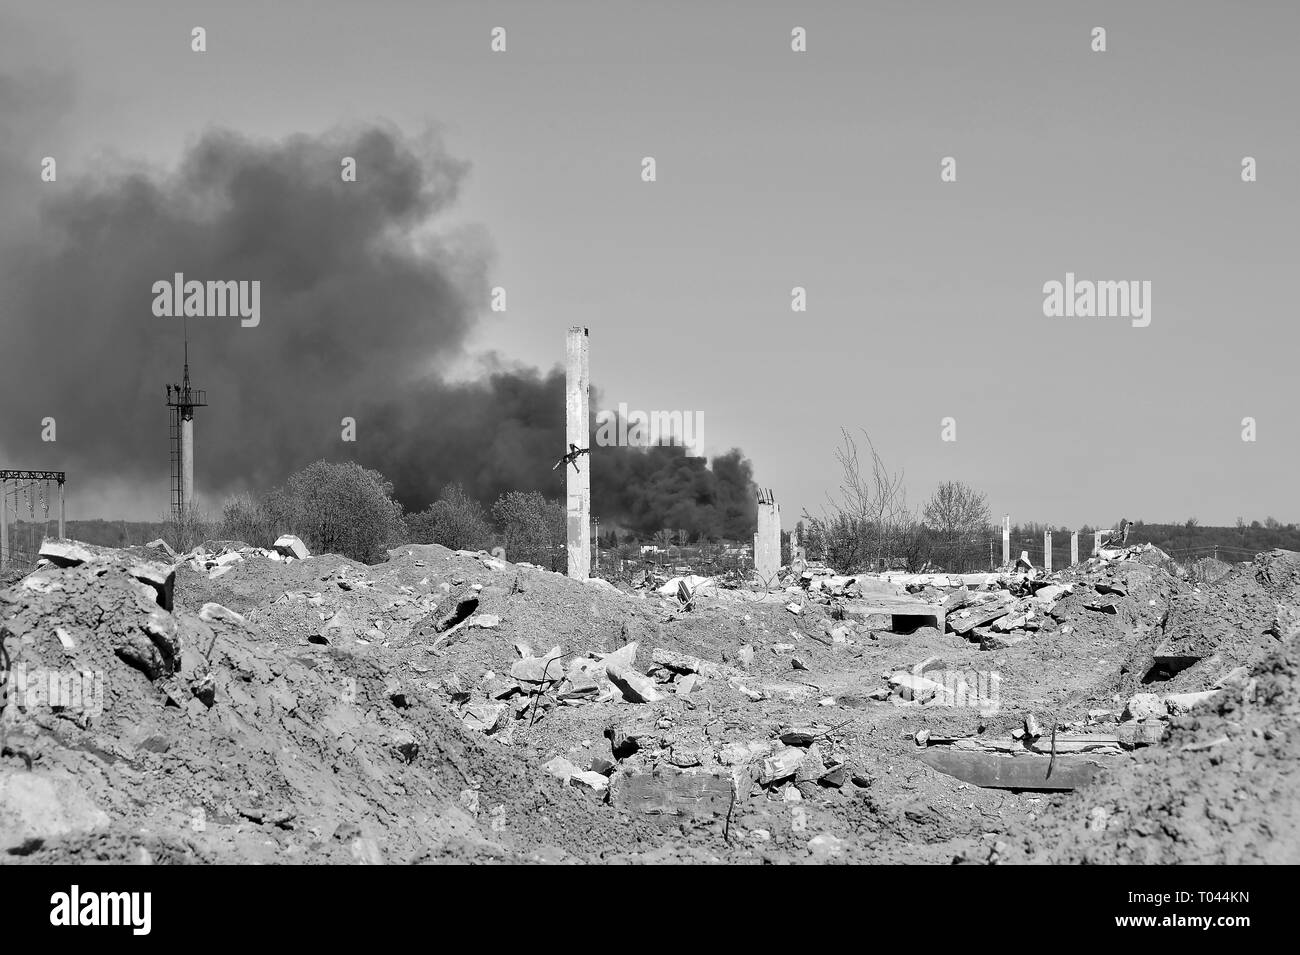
{"x":270,"y":705}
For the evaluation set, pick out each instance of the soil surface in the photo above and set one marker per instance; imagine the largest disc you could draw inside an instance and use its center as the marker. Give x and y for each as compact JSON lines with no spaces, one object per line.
{"x":322,"y":710}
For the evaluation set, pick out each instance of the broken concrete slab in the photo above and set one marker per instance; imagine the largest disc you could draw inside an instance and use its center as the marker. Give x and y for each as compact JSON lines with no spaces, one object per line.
{"x":672,"y":792}
{"x":635,"y":687}
{"x":290,"y":546}
{"x":964,"y":621}
{"x":544,"y":669}
{"x":782,"y":764}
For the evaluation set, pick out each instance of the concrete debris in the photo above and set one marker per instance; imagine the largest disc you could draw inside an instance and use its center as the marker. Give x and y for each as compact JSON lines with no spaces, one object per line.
{"x":312,"y":703}
{"x":636,"y":687}
{"x":290,"y":546}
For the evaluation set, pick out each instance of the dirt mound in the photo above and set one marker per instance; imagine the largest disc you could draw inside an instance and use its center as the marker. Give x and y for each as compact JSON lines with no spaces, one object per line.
{"x":200,"y":729}
{"x":243,"y":705}
{"x":1224,"y":789}
{"x":1278,"y":571}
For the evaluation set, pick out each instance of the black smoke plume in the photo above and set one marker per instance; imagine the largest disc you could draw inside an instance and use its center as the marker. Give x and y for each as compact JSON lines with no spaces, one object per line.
{"x":365,"y":302}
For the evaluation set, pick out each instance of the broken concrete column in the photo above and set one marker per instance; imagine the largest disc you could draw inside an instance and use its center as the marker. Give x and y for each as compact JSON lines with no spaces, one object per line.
{"x":577,"y":434}
{"x":1074,"y":548}
{"x":1006,"y":540}
{"x":1097,"y":538}
{"x":4,"y":524}
{"x":767,"y":542}
{"x":1047,"y":552}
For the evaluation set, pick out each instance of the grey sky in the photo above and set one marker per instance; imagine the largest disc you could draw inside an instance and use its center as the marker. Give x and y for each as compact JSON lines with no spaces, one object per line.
{"x":820,"y":169}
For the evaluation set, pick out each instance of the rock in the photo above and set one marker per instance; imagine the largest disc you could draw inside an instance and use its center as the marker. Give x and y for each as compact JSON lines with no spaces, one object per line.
{"x":1144,"y":706}
{"x":1102,"y":606}
{"x":1180,"y":703}
{"x":1001,"y":641}
{"x":833,"y":776}
{"x":561,"y":769}
{"x":825,"y":847}
{"x":624,"y":656}
{"x":484,"y":717}
{"x":635,"y":687}
{"x":980,"y":616}
{"x":798,"y":663}
{"x":36,"y":807}
{"x":1104,"y":587}
{"x":686,"y":685}
{"x":487,"y":621}
{"x":913,"y":686}
{"x":290,"y":546}
{"x":746,"y":655}
{"x":798,"y":735}
{"x":811,"y":767}
{"x":782,"y":764}
{"x":547,"y":669}
{"x":589,"y":780}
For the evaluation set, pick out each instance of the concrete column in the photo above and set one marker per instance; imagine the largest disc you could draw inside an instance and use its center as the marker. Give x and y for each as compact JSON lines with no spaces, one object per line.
{"x":1047,"y":552}
{"x":1097,"y":538}
{"x":1006,"y":540}
{"x":767,"y":542}
{"x":187,"y":466}
{"x":4,"y":524}
{"x":577,"y":432}
{"x":1074,"y":548}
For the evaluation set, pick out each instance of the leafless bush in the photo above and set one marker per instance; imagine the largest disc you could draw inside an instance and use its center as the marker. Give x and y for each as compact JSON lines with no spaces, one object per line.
{"x":868,"y":525}
{"x":187,"y":530}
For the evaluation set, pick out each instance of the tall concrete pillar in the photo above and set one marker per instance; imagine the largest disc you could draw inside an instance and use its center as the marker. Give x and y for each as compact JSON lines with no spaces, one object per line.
{"x":4,"y":524}
{"x":1074,"y":548}
{"x":767,"y":542}
{"x":187,"y":466}
{"x":577,"y":433}
{"x":1047,"y":552}
{"x":1097,"y":538}
{"x":1006,"y":540}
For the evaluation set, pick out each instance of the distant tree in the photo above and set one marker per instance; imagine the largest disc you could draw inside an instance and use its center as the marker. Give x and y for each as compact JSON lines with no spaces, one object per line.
{"x":957,"y":514}
{"x":455,"y":520}
{"x":340,"y":509}
{"x":531,"y":527}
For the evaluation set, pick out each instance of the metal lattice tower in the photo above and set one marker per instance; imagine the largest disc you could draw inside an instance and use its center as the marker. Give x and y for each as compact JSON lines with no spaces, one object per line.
{"x":182,"y":400}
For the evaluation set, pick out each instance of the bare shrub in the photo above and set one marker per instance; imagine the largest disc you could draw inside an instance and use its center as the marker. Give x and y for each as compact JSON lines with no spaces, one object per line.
{"x":868,"y":525}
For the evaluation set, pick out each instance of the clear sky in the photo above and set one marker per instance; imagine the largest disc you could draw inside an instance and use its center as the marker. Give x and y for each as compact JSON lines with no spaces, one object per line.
{"x":819,"y":169}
